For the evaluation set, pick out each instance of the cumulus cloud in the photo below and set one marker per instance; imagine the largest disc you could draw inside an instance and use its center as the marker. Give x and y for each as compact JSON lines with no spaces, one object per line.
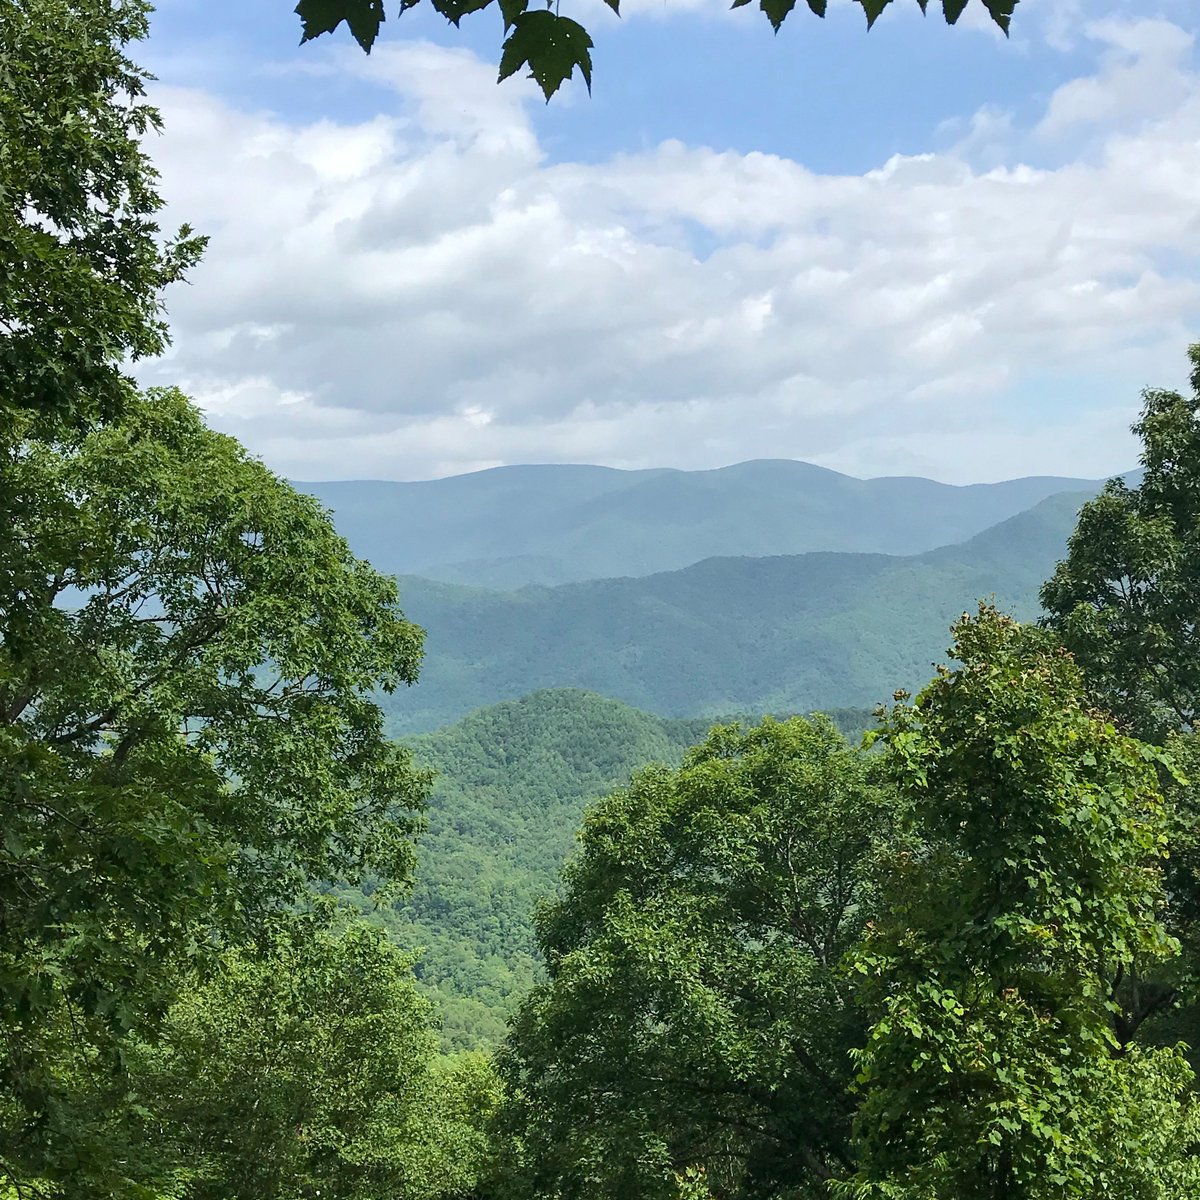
{"x":1146,"y":72}
{"x":425,"y":292}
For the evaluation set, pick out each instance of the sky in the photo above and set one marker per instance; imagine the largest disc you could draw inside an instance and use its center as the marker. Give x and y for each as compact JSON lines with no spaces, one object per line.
{"x":913,"y":251}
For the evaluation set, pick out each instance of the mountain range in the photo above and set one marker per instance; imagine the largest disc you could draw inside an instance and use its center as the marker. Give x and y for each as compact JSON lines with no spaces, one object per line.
{"x":510,"y":526}
{"x":624,"y":613}
{"x":784,"y":633}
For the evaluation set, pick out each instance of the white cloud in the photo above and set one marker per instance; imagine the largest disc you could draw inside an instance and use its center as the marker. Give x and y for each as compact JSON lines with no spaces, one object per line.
{"x":1146,"y":72}
{"x":424,"y":293}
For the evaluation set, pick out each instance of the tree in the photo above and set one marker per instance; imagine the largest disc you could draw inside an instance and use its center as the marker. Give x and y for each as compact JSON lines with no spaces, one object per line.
{"x":82,"y":268}
{"x":1126,"y":602}
{"x":695,"y":1025}
{"x":187,"y":738}
{"x":1126,"y":599}
{"x":551,"y":45}
{"x":310,"y":1069}
{"x":1024,"y":882}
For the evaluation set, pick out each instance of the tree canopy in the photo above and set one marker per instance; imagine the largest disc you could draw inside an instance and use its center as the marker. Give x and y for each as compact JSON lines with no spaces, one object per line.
{"x":82,"y":264}
{"x":309,"y":1068}
{"x":553,"y":46}
{"x":1126,"y":599}
{"x":1024,"y":882}
{"x":187,"y":737}
{"x":693,"y":986}
{"x":965,"y":917}
{"x":511,"y":786}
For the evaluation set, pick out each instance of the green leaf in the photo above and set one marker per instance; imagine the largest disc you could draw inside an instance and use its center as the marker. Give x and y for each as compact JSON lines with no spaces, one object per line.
{"x":552,"y":46}
{"x":953,"y":9}
{"x":1002,"y":11}
{"x":777,"y":11}
{"x":510,"y":10}
{"x":873,"y":8}
{"x":323,"y":16}
{"x":83,"y":268}
{"x":455,"y":10}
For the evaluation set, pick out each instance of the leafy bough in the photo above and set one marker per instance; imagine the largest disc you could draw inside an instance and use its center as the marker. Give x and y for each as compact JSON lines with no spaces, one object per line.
{"x":552,"y":45}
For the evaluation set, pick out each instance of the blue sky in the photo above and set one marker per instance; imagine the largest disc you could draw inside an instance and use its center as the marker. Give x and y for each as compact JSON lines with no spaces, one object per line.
{"x":919,"y":250}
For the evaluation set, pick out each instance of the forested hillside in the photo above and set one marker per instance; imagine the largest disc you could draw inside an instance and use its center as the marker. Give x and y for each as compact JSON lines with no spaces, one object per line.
{"x":781,"y":634}
{"x":513,"y":782}
{"x":511,"y":526}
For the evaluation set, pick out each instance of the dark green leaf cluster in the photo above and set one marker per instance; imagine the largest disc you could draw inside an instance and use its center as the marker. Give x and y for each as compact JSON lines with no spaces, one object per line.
{"x":82,"y":267}
{"x":695,"y":1017}
{"x":187,"y":737}
{"x":553,"y":46}
{"x":1126,"y":599}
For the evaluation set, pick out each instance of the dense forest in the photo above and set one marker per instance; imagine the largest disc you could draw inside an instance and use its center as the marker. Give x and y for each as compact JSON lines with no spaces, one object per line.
{"x":511,"y":784}
{"x":254,"y":946}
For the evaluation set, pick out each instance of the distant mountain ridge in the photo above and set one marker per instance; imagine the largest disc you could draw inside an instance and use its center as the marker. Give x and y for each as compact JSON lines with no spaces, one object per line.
{"x":786,"y":633}
{"x":510,"y":526}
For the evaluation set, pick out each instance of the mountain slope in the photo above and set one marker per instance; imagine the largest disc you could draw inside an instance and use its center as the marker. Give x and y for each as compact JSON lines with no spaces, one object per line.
{"x":785,"y":633}
{"x":512,"y":526}
{"x":513,"y":781}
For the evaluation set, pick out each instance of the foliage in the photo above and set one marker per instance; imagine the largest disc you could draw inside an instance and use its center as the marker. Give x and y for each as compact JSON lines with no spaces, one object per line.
{"x":552,"y":45}
{"x":695,"y":1024}
{"x":310,"y":1069}
{"x":82,"y":268}
{"x":511,"y":785}
{"x":1126,"y":599}
{"x":512,"y":782}
{"x":187,"y":735}
{"x":730,"y":635}
{"x":1023,"y":882}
